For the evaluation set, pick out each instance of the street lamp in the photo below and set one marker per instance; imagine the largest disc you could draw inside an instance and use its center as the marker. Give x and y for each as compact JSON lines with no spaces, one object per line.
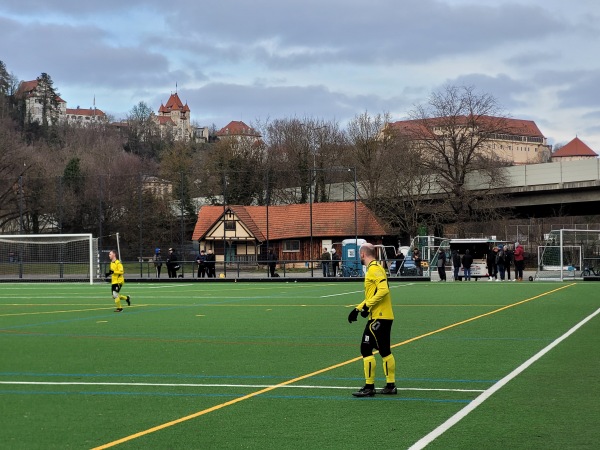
{"x":310,"y":193}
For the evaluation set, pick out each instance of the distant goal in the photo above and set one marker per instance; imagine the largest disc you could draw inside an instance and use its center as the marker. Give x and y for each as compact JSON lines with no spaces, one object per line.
{"x":568,"y":254}
{"x":49,"y":257}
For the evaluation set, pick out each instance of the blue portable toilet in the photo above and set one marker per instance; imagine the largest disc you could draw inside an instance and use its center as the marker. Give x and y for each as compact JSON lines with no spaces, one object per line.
{"x":351,"y":265}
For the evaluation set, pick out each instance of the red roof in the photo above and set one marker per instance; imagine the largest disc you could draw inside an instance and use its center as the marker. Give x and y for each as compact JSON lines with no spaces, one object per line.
{"x":26,"y":89}
{"x":237,"y":128}
{"x":86,"y":112}
{"x":334,"y":219}
{"x":512,"y":126}
{"x":574,"y":148}
{"x":174,"y":104}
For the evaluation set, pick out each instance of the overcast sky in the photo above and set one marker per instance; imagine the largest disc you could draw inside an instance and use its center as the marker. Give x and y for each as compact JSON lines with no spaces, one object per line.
{"x":325,"y":59}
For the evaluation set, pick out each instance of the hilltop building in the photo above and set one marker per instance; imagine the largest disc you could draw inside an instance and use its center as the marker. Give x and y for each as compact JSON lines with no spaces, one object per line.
{"x":514,"y":140}
{"x":174,"y":118}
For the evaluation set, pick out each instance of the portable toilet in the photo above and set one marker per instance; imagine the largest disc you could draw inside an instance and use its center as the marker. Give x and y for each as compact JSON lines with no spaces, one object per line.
{"x":351,"y":265}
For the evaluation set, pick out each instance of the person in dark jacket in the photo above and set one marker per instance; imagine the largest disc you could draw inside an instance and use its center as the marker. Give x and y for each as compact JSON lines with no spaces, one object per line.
{"x":491,"y":263}
{"x":508,"y":260}
{"x":441,"y":264}
{"x":272,"y":258}
{"x":467,"y":262}
{"x":201,"y":261}
{"x":456,"y":263}
{"x":210,"y":265}
{"x":172,"y":263}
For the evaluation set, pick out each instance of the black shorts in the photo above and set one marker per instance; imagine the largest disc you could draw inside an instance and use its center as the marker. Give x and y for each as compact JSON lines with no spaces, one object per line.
{"x":377,"y":335}
{"x":116,"y":287}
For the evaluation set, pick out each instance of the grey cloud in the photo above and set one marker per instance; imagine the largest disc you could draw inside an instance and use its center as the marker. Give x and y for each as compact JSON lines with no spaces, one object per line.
{"x":77,"y":54}
{"x":221,"y":103}
{"x":502,"y":87}
{"x":583,"y":90}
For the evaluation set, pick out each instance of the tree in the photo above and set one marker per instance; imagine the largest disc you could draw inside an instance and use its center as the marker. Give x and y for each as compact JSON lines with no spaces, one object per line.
{"x":452,"y":133}
{"x":371,"y":151}
{"x":302,"y":154}
{"x":143,"y":134}
{"x":235,"y":168}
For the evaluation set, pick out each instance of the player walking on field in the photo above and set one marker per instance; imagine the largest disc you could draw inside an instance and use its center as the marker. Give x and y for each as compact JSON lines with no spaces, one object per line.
{"x":377,"y":306}
{"x":116,"y":273}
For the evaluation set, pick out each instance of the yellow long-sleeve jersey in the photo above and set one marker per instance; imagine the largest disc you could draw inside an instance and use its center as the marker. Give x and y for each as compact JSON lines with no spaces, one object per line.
{"x":377,"y":293}
{"x":118,"y":271}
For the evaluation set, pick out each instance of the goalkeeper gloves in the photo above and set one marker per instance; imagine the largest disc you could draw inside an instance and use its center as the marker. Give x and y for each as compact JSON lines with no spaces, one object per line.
{"x":365,"y":311}
{"x":109,"y":273}
{"x":353,"y":316}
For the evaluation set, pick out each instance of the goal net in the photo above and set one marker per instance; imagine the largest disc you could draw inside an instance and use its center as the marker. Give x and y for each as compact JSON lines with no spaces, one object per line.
{"x":567,"y":253}
{"x":48,"y":257}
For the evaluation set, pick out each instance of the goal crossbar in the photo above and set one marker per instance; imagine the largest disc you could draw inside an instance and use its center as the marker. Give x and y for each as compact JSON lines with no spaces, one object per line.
{"x":48,"y":257}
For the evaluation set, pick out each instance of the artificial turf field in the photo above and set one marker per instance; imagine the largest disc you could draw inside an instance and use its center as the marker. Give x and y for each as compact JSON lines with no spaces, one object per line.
{"x":273,"y":365}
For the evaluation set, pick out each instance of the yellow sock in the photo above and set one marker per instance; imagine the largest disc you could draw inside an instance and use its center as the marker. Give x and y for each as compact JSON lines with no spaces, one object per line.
{"x":369,"y":366}
{"x":389,"y":368}
{"x":122,"y":297}
{"x":118,"y":302}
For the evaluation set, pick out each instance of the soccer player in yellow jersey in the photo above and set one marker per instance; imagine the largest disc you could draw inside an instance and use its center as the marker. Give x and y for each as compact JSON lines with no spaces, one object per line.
{"x":117,"y":280}
{"x":377,"y":306}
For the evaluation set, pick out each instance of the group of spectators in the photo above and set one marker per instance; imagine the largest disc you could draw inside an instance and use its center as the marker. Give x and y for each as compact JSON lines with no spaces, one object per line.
{"x":499,"y":260}
{"x":330,"y":262}
{"x":206,"y":263}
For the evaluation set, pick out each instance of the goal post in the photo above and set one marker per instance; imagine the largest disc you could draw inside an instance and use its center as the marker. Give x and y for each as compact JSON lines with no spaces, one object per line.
{"x":567,"y":253}
{"x":49,"y":257}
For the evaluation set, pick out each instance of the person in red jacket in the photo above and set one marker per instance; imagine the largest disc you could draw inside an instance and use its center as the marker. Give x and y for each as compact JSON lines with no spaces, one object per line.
{"x":519,"y":258}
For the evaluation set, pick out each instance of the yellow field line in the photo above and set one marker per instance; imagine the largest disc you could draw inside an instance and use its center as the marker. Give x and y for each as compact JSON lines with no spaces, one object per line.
{"x":326,"y":369}
{"x":53,"y":312}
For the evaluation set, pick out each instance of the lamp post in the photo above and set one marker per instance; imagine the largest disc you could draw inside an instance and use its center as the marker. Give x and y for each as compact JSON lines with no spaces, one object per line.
{"x":355,"y":209}
{"x":310,"y":192}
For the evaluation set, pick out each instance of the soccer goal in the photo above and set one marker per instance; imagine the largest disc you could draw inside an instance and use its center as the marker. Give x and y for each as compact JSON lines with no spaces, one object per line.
{"x":49,"y":257}
{"x":567,"y":254}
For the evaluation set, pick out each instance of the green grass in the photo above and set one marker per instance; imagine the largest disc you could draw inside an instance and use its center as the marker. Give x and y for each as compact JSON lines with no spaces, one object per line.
{"x":206,"y":349}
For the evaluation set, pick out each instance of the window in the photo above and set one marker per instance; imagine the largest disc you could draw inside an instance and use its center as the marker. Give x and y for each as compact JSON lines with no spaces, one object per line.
{"x":230,"y":225}
{"x":291,"y":246}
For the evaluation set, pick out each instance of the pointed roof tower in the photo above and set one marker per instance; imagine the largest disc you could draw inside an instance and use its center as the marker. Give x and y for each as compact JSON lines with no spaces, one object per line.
{"x":575,"y":148}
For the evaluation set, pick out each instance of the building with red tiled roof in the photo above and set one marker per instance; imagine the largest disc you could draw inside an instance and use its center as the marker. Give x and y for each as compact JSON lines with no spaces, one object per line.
{"x":239,"y":130}
{"x":85,"y":116}
{"x":245,"y":230}
{"x":174,"y":118}
{"x":576,"y":149}
{"x":516,"y":140}
{"x":32,"y":93}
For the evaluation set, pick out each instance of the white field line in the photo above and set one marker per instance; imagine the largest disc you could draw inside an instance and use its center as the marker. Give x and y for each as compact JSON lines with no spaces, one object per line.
{"x":83,"y":383}
{"x":437,"y":432}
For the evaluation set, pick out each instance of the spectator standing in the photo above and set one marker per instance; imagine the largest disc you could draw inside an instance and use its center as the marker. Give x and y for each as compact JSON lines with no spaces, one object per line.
{"x":417,"y":260}
{"x":491,"y":262}
{"x":441,"y":264}
{"x":456,"y":263}
{"x":467,"y":261}
{"x":335,"y":262}
{"x":519,"y":256}
{"x":399,"y":261}
{"x":500,"y":258}
{"x":157,"y":261}
{"x":325,"y":261}
{"x":172,"y":263}
{"x":272,"y":258}
{"x":201,"y":261}
{"x":508,"y":259}
{"x":210,"y":265}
